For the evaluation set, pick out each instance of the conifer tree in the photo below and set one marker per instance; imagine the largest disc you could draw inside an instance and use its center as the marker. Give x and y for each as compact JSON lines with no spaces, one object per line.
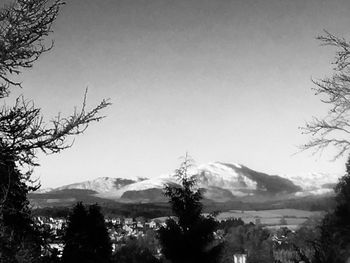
{"x":334,"y":244}
{"x":86,"y":238}
{"x":75,"y":238}
{"x":19,"y":239}
{"x":190,"y":237}
{"x":98,"y":238}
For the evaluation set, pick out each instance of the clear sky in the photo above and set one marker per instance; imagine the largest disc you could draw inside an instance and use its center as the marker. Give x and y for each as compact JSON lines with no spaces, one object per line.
{"x":224,"y":80}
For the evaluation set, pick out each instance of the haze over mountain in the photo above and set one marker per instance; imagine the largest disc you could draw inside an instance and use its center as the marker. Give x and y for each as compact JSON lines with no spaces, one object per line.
{"x":220,"y":182}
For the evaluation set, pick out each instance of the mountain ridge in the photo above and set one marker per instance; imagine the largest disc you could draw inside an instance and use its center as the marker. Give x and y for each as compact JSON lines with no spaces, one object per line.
{"x":219,"y":182}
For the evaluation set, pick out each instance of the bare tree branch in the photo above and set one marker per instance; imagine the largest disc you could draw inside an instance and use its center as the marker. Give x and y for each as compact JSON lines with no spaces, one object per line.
{"x":24,"y":26}
{"x":23,"y":131}
{"x":334,"y":128}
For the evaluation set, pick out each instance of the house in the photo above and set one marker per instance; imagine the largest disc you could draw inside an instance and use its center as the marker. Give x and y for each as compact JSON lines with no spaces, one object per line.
{"x":240,"y":258}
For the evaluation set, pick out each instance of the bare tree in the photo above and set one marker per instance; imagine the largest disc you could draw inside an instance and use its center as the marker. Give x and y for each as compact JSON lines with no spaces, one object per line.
{"x":334,"y":128}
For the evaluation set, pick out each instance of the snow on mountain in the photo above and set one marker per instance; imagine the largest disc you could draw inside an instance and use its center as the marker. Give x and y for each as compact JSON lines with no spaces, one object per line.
{"x":43,"y":190}
{"x":158,"y":183}
{"x":314,"y":183}
{"x":99,"y":185}
{"x":220,"y":175}
{"x":221,"y":181}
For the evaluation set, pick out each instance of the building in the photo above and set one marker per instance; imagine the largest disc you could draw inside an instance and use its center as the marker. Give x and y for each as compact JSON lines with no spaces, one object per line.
{"x":240,"y":258}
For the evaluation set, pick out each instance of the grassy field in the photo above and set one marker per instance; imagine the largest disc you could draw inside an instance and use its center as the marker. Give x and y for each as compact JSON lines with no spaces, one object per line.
{"x":272,"y":219}
{"x":292,"y":217}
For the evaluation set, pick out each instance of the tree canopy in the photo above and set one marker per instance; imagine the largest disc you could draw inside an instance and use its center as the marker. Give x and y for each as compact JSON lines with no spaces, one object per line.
{"x":86,"y":238}
{"x":20,"y":240}
{"x":334,"y":243}
{"x":135,"y":250}
{"x":190,"y":236}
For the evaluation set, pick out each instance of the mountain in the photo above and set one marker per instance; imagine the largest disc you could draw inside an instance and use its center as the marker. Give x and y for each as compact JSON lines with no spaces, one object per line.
{"x":220,"y":182}
{"x":99,"y":185}
{"x":314,"y":183}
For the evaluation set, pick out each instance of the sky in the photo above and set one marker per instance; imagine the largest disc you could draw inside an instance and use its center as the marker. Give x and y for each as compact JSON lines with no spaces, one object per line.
{"x":224,"y":80}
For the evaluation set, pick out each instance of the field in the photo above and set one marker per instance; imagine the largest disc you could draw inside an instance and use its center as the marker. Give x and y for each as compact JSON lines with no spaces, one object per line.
{"x":278,"y":217}
{"x":291,"y":218}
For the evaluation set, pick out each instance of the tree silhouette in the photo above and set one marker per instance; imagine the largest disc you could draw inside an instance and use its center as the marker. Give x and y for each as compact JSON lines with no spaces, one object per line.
{"x":134,"y":251}
{"x":86,"y":238}
{"x":99,"y":241}
{"x":24,"y":28}
{"x":75,"y":238}
{"x":334,"y":128}
{"x":24,"y":25}
{"x":189,"y":237}
{"x":19,"y":239}
{"x":334,"y":244}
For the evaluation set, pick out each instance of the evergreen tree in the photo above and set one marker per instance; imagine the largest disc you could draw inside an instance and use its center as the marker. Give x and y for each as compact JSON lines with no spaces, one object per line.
{"x":75,"y":238}
{"x":342,"y":210}
{"x":99,"y":241}
{"x":190,"y":237}
{"x":334,"y":244}
{"x":86,"y":238}
{"x":20,"y":240}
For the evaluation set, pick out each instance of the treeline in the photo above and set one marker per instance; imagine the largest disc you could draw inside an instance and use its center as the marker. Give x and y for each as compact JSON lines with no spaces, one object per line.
{"x":112,"y":210}
{"x":149,"y":211}
{"x":309,"y":203}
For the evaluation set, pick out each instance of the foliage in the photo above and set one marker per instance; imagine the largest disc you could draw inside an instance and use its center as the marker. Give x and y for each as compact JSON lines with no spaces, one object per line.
{"x":137,"y":250}
{"x":334,"y":128}
{"x":86,"y":238}
{"x":190,"y":236}
{"x":334,"y":244}
{"x":249,"y":239}
{"x":226,"y":225}
{"x":19,"y":239}
{"x":283,"y":221}
{"x":296,"y":246}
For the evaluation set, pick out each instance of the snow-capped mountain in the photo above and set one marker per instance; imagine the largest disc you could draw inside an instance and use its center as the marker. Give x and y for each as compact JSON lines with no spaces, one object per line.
{"x":139,"y":186}
{"x":220,"y":182}
{"x":314,"y":183}
{"x":100,"y":185}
